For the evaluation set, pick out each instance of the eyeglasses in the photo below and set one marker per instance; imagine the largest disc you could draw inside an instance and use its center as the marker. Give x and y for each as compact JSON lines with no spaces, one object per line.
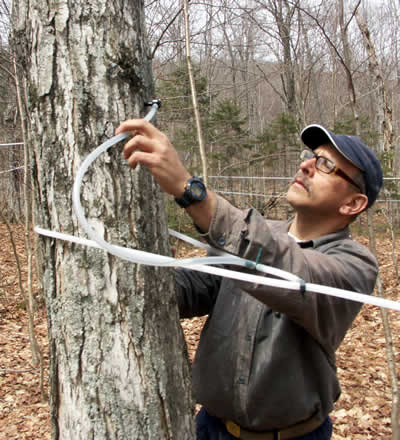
{"x":327,"y":166}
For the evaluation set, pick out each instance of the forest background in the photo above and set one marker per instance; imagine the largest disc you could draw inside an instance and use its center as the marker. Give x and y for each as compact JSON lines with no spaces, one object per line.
{"x":263,"y":70}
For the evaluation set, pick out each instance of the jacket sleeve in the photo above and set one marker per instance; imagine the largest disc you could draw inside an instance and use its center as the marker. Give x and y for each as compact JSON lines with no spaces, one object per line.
{"x":340,"y":263}
{"x":196,"y":292}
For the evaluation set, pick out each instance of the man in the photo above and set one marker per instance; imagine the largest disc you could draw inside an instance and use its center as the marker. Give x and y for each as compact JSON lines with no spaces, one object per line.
{"x":265,"y":365}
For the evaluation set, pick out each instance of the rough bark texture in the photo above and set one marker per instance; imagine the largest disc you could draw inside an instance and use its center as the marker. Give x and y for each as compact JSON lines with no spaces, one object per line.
{"x":283,"y":15}
{"x":384,"y":118}
{"x":118,"y":364}
{"x":347,"y":62}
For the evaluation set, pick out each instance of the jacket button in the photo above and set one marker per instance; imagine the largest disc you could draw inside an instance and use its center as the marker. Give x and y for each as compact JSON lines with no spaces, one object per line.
{"x":242,"y":380}
{"x":221,"y":241}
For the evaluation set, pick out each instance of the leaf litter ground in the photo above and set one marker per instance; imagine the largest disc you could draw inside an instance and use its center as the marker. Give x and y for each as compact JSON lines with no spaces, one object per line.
{"x":362,"y":412}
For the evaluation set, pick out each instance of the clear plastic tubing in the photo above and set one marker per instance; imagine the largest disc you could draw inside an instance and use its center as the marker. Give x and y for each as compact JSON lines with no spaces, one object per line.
{"x":240,"y":276}
{"x":141,"y":257}
{"x":202,"y":264}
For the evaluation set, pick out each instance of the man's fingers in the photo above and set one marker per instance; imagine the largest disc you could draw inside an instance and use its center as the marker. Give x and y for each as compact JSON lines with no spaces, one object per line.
{"x":139,"y":126}
{"x":138,"y":142}
{"x":152,"y":148}
{"x":143,"y":158}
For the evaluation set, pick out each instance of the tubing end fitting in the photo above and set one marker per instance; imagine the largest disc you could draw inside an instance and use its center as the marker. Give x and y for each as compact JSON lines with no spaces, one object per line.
{"x":302,"y":287}
{"x":153,"y":102}
{"x":250,"y":264}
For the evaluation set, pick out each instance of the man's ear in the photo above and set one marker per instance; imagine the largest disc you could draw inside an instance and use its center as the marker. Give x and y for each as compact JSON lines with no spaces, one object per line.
{"x":354,"y":204}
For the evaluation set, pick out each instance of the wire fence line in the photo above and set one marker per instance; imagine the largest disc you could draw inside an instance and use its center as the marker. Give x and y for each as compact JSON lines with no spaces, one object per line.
{"x":12,"y":169}
{"x":266,"y":193}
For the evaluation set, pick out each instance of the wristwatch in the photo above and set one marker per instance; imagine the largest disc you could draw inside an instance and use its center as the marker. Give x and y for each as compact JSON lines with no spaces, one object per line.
{"x":195,"y":191}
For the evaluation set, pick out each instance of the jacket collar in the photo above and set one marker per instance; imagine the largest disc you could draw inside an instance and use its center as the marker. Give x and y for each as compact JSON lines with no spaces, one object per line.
{"x":342,"y":234}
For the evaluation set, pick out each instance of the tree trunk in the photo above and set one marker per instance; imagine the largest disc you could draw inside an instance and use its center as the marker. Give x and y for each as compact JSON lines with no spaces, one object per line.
{"x":348,"y":61}
{"x":118,"y":364}
{"x":283,"y":15}
{"x":382,"y":106}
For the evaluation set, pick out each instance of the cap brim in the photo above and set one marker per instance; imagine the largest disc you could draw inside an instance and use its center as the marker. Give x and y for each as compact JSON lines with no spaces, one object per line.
{"x":315,"y":135}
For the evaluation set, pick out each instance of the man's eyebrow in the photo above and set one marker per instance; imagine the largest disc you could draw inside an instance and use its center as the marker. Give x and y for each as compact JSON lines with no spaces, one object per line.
{"x":325,"y":153}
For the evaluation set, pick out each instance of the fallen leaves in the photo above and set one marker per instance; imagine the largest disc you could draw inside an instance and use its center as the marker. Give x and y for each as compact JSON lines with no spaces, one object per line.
{"x":363,"y":411}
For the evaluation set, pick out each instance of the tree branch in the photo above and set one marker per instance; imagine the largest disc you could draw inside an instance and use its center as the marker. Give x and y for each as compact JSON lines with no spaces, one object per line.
{"x":158,"y":43}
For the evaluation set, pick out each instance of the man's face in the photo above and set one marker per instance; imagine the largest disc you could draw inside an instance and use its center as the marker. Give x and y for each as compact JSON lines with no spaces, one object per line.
{"x":316,"y":192}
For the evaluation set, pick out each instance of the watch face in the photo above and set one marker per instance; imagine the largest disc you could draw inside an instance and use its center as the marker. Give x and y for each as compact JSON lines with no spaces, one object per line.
{"x":197,"y":190}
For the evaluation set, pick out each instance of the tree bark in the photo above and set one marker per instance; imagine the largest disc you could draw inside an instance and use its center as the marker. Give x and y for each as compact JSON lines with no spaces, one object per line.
{"x":283,"y":13}
{"x":348,"y":61}
{"x":119,"y":368}
{"x":383,"y":110}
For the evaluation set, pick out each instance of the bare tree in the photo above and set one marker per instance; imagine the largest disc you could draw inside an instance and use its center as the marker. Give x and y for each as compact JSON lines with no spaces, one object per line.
{"x":382,"y":106}
{"x":37,"y":355}
{"x":281,"y":43}
{"x":347,"y":61}
{"x":118,"y":363}
{"x":284,"y":13}
{"x":344,"y":56}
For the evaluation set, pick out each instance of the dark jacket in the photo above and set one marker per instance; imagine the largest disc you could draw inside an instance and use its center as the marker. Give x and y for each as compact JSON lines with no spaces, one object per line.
{"x":266,"y":358}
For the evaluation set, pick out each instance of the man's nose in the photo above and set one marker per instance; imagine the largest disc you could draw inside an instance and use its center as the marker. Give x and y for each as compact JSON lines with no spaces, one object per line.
{"x":308,"y":166}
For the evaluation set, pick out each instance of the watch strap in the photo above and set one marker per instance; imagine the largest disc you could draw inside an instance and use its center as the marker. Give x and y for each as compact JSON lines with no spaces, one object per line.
{"x":183,"y":202}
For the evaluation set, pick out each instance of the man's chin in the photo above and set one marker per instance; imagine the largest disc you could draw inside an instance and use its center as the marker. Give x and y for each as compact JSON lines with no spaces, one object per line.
{"x":297,"y":197}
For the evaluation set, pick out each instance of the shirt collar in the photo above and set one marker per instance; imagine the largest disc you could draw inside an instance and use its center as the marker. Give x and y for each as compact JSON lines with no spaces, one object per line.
{"x":302,"y":243}
{"x":343,"y":234}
